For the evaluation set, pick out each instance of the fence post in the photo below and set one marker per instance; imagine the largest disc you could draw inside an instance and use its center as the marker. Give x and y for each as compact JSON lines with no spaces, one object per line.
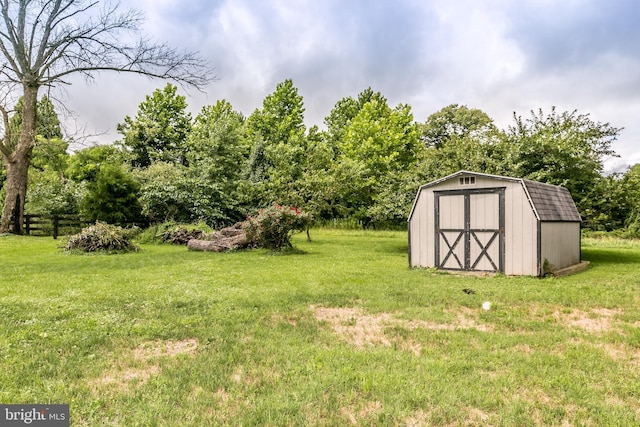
{"x":27,"y":224}
{"x":55,"y":226}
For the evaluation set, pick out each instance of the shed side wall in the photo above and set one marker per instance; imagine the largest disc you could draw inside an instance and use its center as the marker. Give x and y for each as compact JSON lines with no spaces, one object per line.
{"x":561,"y":243}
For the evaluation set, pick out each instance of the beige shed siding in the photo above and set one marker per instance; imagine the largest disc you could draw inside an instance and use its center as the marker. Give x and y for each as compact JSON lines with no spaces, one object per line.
{"x":561,"y":243}
{"x":421,"y":245}
{"x":520,"y":232}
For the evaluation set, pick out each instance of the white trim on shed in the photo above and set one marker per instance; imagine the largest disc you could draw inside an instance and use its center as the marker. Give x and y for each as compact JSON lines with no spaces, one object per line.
{"x":482,"y":222}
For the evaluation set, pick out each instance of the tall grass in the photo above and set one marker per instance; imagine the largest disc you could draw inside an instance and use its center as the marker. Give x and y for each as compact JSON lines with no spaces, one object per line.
{"x":341,"y":332}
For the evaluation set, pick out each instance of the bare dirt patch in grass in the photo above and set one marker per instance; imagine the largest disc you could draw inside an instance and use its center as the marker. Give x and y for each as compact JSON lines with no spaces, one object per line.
{"x":412,"y":346}
{"x":477,"y":417}
{"x":540,"y":400}
{"x":598,"y":320}
{"x":359,"y":416}
{"x":134,"y":367}
{"x":121,"y":379}
{"x":523,"y":348}
{"x":621,"y":353}
{"x":362,"y":330}
{"x":222,"y":395}
{"x":418,"y":418}
{"x":356,"y":327}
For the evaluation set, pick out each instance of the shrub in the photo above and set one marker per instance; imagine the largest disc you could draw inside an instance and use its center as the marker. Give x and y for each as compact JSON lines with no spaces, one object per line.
{"x":102,"y":237}
{"x":112,"y":197}
{"x":175,"y":192}
{"x":53,"y":195}
{"x":273,"y":227}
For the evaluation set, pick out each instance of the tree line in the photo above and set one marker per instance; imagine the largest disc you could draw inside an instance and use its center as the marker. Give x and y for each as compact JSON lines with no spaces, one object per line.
{"x":365,"y":165}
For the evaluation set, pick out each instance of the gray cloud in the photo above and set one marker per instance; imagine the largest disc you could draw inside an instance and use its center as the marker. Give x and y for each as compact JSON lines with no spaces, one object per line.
{"x":496,"y":55}
{"x":557,"y":35}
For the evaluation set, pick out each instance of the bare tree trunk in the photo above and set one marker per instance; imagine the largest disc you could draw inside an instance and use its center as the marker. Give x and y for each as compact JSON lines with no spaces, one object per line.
{"x":17,"y":165}
{"x":16,"y":189}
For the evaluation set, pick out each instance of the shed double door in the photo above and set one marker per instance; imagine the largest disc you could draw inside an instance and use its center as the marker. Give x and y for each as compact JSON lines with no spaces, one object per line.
{"x":469,"y":229}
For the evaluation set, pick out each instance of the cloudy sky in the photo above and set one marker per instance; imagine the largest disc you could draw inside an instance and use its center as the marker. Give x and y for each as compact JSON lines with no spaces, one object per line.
{"x":500,"y":56}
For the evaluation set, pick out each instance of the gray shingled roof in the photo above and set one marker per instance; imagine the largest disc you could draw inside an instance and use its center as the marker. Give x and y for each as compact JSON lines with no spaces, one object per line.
{"x":553,"y":203}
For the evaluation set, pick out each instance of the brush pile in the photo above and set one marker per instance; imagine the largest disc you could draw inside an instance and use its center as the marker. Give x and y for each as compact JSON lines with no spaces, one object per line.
{"x":102,"y":237}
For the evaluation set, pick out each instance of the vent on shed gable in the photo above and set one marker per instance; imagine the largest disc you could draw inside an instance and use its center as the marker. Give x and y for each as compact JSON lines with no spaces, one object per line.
{"x":467,"y":180}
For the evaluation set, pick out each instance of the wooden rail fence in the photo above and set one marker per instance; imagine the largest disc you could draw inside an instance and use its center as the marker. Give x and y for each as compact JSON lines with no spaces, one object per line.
{"x":53,"y":225}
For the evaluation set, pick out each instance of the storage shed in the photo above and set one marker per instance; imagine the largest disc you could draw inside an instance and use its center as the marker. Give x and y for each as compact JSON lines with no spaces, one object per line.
{"x":473,"y":221}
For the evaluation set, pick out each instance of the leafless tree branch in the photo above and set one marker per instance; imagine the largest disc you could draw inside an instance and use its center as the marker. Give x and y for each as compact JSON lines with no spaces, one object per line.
{"x":43,"y":42}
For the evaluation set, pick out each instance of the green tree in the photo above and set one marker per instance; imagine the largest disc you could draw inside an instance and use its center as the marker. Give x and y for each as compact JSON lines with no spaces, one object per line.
{"x":112,"y":197}
{"x":159,"y":130}
{"x":565,"y":149}
{"x":175,"y":192}
{"x":456,"y":122}
{"x":457,"y":137}
{"x":218,"y":142}
{"x":383,"y":139}
{"x":318,"y":188}
{"x":346,"y":110}
{"x":165,"y":193}
{"x":218,"y":152}
{"x":379,"y":142}
{"x":277,"y":133}
{"x":208,"y":189}
{"x":281,"y":119}
{"x":394,"y":197}
{"x":85,"y":164}
{"x":51,"y":194}
{"x":493,"y":156}
{"x":607,"y":206}
{"x":42,"y":43}
{"x":630,"y":187}
{"x":258,"y":164}
{"x":47,"y":123}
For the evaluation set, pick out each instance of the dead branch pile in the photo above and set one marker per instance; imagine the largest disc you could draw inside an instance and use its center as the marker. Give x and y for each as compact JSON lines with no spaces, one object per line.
{"x":181,"y":236}
{"x":101,"y":237}
{"x":227,"y":239}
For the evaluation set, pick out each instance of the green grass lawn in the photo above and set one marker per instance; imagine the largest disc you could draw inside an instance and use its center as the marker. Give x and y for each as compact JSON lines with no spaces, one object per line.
{"x":343,"y":333}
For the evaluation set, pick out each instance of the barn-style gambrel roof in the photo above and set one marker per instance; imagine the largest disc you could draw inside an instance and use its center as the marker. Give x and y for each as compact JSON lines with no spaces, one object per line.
{"x":549,"y":202}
